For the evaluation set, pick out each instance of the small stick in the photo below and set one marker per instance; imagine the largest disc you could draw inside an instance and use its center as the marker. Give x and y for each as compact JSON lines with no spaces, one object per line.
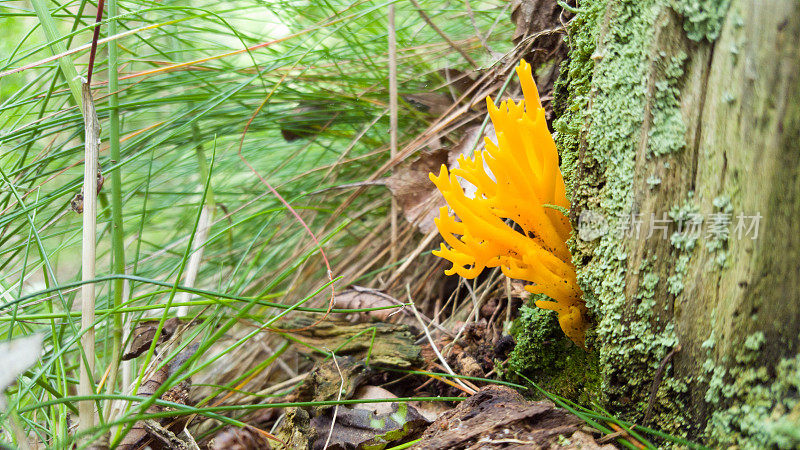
{"x":338,"y":398}
{"x":433,"y":344}
{"x":164,"y":435}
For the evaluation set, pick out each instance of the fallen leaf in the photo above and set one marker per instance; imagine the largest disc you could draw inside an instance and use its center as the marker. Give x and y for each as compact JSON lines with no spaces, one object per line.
{"x":415,"y":193}
{"x":358,"y":297}
{"x":307,"y":121}
{"x":432,"y":103}
{"x":374,"y":392}
{"x":533,"y":16}
{"x":459,"y":80}
{"x":144,"y":333}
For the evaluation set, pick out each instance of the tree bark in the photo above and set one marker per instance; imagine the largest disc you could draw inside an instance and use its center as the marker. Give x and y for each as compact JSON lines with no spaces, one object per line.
{"x":671,"y":111}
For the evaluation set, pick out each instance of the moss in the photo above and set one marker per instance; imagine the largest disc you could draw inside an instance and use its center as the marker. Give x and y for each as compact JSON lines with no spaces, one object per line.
{"x":545,"y":355}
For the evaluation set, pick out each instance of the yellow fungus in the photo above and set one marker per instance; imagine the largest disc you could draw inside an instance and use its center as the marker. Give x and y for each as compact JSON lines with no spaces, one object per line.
{"x":515,"y":220}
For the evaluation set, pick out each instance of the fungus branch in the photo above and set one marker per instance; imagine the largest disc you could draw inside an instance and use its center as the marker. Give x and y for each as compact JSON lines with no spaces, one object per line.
{"x":517,"y":179}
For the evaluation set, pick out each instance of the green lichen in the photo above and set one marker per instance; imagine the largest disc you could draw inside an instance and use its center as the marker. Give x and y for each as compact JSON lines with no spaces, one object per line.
{"x":675,"y":281}
{"x":653,"y":181}
{"x":753,"y":406}
{"x":545,"y":355}
{"x":602,"y":100}
{"x":702,"y":19}
{"x":615,"y":84}
{"x":668,"y":131}
{"x":688,"y":221}
{"x":647,"y":295}
{"x":718,"y":232}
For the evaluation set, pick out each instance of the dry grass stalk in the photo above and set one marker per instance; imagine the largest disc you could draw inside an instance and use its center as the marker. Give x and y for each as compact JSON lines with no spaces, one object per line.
{"x":86,"y":409}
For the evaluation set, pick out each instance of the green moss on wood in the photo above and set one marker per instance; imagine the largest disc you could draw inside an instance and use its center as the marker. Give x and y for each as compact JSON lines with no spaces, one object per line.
{"x":545,"y":355}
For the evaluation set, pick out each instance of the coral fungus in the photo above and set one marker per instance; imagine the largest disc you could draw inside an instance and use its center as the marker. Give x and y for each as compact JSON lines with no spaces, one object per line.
{"x":516,"y":218}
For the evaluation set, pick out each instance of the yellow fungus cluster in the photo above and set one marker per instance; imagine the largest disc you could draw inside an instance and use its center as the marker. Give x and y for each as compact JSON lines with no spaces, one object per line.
{"x":516,"y":219}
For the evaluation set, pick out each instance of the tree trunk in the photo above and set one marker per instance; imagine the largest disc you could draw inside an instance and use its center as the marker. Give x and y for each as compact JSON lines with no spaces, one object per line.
{"x":669,"y":112}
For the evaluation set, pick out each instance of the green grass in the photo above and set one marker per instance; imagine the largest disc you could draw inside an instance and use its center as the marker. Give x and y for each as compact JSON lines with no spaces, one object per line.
{"x":175,"y":88}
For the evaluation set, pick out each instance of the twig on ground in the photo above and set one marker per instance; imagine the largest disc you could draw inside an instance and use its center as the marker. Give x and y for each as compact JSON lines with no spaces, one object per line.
{"x":164,"y":435}
{"x":433,"y":344}
{"x":338,"y":398}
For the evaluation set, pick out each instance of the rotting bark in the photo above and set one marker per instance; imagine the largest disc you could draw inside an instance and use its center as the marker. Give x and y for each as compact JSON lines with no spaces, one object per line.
{"x":498,"y":417}
{"x":378,"y":343}
{"x":689,"y":107}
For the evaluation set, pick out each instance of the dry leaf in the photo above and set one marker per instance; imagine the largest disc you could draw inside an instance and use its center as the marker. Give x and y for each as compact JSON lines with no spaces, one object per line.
{"x":357,"y":428}
{"x":359,"y":297}
{"x":307,"y":121}
{"x":144,"y":333}
{"x":459,"y":80}
{"x":533,"y":16}
{"x":430,"y":102}
{"x":374,"y":392}
{"x":415,"y":193}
